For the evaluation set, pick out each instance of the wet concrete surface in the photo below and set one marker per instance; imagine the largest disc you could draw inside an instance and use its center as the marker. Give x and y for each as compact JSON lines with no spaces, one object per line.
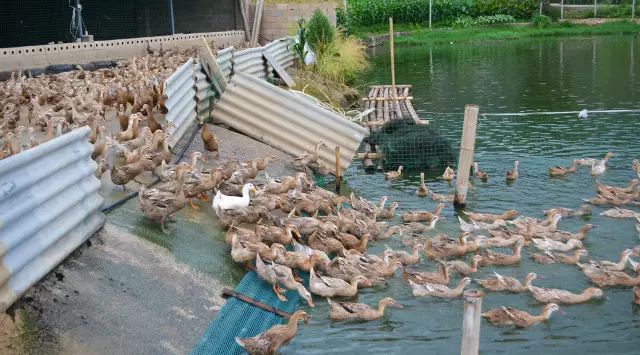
{"x":133,"y":289}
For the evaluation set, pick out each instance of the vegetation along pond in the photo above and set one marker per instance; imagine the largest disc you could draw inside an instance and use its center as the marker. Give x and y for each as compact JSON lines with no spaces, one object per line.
{"x":532,"y":75}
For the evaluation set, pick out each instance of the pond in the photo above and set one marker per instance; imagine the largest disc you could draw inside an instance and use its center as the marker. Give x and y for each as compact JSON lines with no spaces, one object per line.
{"x":532,"y":75}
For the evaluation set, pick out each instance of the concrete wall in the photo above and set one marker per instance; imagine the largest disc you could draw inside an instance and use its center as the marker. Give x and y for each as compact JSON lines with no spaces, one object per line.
{"x":281,"y":20}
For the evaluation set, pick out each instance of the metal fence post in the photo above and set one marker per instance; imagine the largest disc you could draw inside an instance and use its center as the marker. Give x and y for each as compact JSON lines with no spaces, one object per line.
{"x":430,"y":5}
{"x":471,"y":322}
{"x":172,"y":21}
{"x":467,"y":146}
{"x":561,"y":9}
{"x":595,"y":8}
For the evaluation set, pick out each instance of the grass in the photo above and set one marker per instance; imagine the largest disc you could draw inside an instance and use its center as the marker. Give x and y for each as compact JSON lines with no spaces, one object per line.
{"x":342,"y":60}
{"x":509,"y":32}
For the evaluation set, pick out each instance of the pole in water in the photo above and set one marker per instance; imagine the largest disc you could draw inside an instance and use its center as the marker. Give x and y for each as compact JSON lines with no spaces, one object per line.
{"x":394,"y":94}
{"x":467,"y":146}
{"x":471,"y":322}
{"x":172,"y":21}
{"x":430,"y":5}
{"x":338,"y":169}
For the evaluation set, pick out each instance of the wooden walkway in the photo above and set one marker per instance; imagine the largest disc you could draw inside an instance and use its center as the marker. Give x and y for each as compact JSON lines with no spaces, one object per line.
{"x":387,"y":107}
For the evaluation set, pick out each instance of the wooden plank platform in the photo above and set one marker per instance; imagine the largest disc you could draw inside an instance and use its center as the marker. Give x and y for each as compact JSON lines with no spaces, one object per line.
{"x":387,"y":106}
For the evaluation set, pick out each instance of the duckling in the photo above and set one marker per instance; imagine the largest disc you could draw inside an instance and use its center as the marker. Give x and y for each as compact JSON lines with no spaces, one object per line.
{"x":276,"y":274}
{"x":269,"y":341}
{"x":222,"y":202}
{"x":461,"y":268}
{"x":326,"y":286}
{"x":409,"y":259}
{"x":482,"y":175}
{"x":562,"y":236}
{"x":493,"y":258}
{"x":359,"y":311}
{"x":422,"y":191}
{"x":547,"y":244}
{"x":389,"y":212}
{"x":436,"y":290}
{"x":209,"y":140}
{"x":391,"y":175}
{"x":520,"y":319}
{"x":501,"y":283}
{"x":620,"y":213}
{"x":549,"y":257}
{"x":636,"y":295}
{"x":448,"y":174}
{"x":599,"y":167}
{"x":512,"y":175}
{"x":584,"y":210}
{"x":550,"y":295}
{"x":488,"y":217}
{"x":441,"y":276}
{"x":561,"y":171}
{"x":423,"y":216}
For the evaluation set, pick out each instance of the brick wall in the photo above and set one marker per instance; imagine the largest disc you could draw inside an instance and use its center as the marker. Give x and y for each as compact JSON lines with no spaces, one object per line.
{"x":280,"y":20}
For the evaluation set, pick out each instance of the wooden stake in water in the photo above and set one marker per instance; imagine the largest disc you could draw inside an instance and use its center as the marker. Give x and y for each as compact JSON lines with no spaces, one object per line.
{"x":338,"y":169}
{"x":471,"y":322}
{"x":467,"y":146}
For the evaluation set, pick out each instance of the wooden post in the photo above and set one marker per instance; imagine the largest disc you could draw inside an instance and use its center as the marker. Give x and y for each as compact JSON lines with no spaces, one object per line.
{"x":394,"y":94}
{"x":467,"y":146}
{"x":338,"y":169}
{"x":245,"y":22}
{"x":471,"y":322}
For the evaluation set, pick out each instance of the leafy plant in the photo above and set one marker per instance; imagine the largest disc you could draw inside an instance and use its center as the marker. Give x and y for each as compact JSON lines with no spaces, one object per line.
{"x":540,"y":21}
{"x":342,"y":59}
{"x":299,"y":47}
{"x":464,"y":22}
{"x":320,"y":33}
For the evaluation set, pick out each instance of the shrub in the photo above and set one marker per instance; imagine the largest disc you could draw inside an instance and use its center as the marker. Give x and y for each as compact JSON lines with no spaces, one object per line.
{"x":342,"y":59}
{"x":464,"y":22}
{"x":298,"y":48}
{"x":320,"y":33}
{"x":521,"y":9}
{"x":494,"y":19}
{"x":540,"y":21}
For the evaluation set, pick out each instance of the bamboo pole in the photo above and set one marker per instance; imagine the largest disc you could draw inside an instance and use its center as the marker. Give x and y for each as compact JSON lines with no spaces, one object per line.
{"x":338,"y":169}
{"x":393,"y":64}
{"x":471,"y":322}
{"x":467,"y":146}
{"x":226,"y":293}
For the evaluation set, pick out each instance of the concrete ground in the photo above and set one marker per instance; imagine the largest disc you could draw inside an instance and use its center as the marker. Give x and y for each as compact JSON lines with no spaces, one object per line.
{"x":129,"y":289}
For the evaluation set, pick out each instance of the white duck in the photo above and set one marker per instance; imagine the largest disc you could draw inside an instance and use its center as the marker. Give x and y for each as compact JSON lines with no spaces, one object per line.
{"x":550,"y":244}
{"x":475,"y":226}
{"x":599,"y":167}
{"x":584,"y":113}
{"x":223,"y":202}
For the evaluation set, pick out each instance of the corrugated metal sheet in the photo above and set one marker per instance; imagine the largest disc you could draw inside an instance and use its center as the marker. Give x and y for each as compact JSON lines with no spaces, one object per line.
{"x":205,"y":94}
{"x":250,"y":60}
{"x":181,"y":100}
{"x":282,"y":50}
{"x":286,"y":121}
{"x":224,"y":61}
{"x":49,"y":205}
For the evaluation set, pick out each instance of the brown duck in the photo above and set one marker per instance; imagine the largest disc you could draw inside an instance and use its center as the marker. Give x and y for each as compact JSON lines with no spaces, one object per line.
{"x":269,"y":341}
{"x":521,"y":319}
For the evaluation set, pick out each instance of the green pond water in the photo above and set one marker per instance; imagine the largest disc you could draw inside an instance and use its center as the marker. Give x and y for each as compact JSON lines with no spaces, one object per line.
{"x":530,"y":75}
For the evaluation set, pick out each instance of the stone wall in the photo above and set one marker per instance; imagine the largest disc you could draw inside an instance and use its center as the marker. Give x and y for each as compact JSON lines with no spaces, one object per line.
{"x":280,"y":20}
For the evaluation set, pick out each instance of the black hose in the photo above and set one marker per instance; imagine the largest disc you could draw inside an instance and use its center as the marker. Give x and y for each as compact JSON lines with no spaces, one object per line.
{"x":123,"y":200}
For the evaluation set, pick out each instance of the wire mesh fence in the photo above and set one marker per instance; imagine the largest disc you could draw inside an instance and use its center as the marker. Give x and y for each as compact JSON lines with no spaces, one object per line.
{"x":31,"y":22}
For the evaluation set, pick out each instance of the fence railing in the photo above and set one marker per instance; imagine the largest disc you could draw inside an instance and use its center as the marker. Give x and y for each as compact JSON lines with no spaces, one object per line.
{"x":49,"y":205}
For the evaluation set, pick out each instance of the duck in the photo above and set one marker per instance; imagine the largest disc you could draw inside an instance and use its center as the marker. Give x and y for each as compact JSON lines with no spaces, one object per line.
{"x":620,"y":213}
{"x":462,"y":268}
{"x":442,"y":197}
{"x":326,"y":286}
{"x":500,"y":242}
{"x":422,"y":190}
{"x":482,"y":175}
{"x":441,"y":276}
{"x":359,"y":311}
{"x":562,"y":236}
{"x":389,"y":212}
{"x":275,"y":234}
{"x":501,"y":283}
{"x":391,"y":175}
{"x":488,"y":217}
{"x":476,"y":226}
{"x":549,"y":257}
{"x":276,"y":274}
{"x":441,"y":291}
{"x":550,"y":295}
{"x":244,"y":251}
{"x":636,"y":295}
{"x":635,"y":165}
{"x":561,"y":171}
{"x":448,"y":249}
{"x":546,"y":244}
{"x":584,"y":210}
{"x":617,"y":266}
{"x":533,"y":229}
{"x":512,"y":175}
{"x":520,"y":319}
{"x":301,"y":260}
{"x":158,"y":205}
{"x":209,"y":140}
{"x":130,"y":133}
{"x":417,"y":227}
{"x":269,"y":341}
{"x":604,"y":278}
{"x":599,"y":167}
{"x":638,"y":225}
{"x":449,"y":174}
{"x":223,"y":202}
{"x":493,"y":258}
{"x":410,"y":259}
{"x":422,"y":216}
{"x":123,"y":118}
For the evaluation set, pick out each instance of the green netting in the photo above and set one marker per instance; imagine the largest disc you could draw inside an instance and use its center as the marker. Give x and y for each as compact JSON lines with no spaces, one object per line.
{"x":240,"y":319}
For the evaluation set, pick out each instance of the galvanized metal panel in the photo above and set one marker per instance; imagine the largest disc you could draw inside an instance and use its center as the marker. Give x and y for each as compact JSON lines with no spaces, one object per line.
{"x":49,"y":205}
{"x":286,"y":121}
{"x":205,"y":94}
{"x":181,"y":100}
{"x":250,"y":60}
{"x":224,"y":61}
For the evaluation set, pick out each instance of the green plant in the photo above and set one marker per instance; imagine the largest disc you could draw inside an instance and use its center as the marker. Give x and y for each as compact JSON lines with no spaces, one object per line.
{"x":298,"y":47}
{"x":540,"y":21}
{"x":342,"y":59}
{"x":464,"y":22}
{"x":494,"y":19}
{"x":320,"y":33}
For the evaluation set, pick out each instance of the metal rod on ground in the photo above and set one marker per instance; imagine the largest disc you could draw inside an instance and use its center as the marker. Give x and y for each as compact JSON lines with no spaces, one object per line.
{"x":561,"y":9}
{"x":255,"y":34}
{"x":338,"y":169}
{"x":245,"y":23}
{"x":226,"y":293}
{"x":471,"y":322}
{"x":393,"y":64}
{"x":172,"y":18}
{"x":467,"y":146}
{"x":430,"y":5}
